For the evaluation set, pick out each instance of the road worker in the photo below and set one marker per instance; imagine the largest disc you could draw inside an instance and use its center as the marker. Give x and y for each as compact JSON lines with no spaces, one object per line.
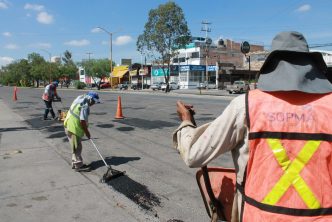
{"x":280,"y":137}
{"x":76,"y":126}
{"x":48,"y":96}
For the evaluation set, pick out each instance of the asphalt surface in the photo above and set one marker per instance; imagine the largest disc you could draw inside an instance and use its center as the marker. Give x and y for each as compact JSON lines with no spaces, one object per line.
{"x":157,"y":185}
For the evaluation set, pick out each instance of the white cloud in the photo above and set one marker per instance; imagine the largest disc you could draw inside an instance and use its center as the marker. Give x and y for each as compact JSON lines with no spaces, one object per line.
{"x":7,"y":34}
{"x":303,"y":8}
{"x":34,"y":7}
{"x":44,"y":18}
{"x":123,"y":40}
{"x":11,"y":46}
{"x":3,"y":5}
{"x":5,"y":60}
{"x":94,"y":30}
{"x":78,"y":43}
{"x":105,"y":42}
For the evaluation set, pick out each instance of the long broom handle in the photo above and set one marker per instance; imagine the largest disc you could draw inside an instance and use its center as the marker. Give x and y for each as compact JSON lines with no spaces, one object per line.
{"x":94,"y":145}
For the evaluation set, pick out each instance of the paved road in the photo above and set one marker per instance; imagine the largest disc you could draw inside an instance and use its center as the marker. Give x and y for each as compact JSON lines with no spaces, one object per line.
{"x":157,"y":182}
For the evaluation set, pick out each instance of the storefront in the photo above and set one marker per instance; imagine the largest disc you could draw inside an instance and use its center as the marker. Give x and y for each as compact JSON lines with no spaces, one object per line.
{"x":187,"y":76}
{"x":158,"y":74}
{"x":190,"y":76}
{"x":120,"y":74}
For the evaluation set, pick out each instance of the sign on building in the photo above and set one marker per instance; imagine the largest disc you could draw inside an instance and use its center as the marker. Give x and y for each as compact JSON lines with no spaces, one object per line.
{"x":126,"y":62}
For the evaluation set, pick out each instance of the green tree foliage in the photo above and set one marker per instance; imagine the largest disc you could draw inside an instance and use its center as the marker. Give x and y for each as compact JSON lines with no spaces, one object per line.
{"x":68,"y":69}
{"x":16,"y":73}
{"x":165,"y":31}
{"x":26,"y":72}
{"x":38,"y":69}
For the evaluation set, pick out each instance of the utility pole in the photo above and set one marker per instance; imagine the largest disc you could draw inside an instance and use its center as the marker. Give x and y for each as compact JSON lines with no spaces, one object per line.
{"x":206,"y":29}
{"x":110,"y":34}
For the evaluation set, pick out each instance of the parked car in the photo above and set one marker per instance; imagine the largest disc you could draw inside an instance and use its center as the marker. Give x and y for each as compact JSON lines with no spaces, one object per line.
{"x":123,"y":86}
{"x":156,"y":86}
{"x":105,"y":85}
{"x":205,"y":85}
{"x":138,"y":86}
{"x":238,"y":87}
{"x":172,"y":86}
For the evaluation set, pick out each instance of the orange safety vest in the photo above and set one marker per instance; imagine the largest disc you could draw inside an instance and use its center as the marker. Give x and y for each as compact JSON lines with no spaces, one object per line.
{"x":289,"y":171}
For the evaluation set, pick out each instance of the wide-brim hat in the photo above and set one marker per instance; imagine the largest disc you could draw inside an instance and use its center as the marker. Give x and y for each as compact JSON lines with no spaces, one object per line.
{"x":291,"y":67}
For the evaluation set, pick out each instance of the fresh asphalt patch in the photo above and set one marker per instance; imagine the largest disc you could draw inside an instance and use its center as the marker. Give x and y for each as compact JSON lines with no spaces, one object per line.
{"x":125,"y":129}
{"x":136,"y":192}
{"x":105,"y":125}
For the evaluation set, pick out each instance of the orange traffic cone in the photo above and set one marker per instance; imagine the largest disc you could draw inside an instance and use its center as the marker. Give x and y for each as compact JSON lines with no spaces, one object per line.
{"x":119,"y":110}
{"x":14,"y":95}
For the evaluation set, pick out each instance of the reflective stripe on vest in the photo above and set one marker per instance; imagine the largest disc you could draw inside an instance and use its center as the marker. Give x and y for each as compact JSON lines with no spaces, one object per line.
{"x":291,"y":175}
{"x":72,"y":121}
{"x":288,"y":175}
{"x":72,"y":111}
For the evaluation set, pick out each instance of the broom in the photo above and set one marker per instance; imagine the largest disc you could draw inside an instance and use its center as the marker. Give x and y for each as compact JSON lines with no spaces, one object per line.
{"x":110,"y":173}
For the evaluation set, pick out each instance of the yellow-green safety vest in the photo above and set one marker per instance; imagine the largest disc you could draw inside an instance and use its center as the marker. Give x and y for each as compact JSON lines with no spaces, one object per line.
{"x":73,"y":122}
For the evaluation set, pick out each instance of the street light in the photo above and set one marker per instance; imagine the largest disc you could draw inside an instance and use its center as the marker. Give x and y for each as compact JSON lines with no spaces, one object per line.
{"x":110,"y":34}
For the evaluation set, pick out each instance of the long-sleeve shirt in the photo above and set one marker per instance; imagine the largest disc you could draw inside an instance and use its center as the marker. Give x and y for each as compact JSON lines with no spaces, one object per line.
{"x":229,"y":132}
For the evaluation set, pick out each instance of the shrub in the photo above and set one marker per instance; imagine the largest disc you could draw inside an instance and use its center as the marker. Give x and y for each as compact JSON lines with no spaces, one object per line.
{"x":79,"y":85}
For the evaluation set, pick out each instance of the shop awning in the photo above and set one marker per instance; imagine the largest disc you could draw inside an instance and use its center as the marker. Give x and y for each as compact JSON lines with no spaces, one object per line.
{"x":119,"y":71}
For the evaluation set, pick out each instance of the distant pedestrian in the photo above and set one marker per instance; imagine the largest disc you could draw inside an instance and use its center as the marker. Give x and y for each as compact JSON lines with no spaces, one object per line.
{"x":48,"y":97}
{"x":76,"y":126}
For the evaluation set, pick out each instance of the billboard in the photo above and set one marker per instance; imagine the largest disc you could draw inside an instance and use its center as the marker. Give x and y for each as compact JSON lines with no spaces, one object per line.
{"x":126,"y":62}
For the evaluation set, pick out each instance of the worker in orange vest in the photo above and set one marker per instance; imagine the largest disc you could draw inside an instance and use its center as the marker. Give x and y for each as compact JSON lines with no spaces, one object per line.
{"x":280,"y":137}
{"x":48,"y":96}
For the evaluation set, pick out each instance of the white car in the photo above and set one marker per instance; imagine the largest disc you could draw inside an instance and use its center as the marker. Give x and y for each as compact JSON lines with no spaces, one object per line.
{"x":172,"y":86}
{"x":205,"y":85}
{"x":156,"y":86}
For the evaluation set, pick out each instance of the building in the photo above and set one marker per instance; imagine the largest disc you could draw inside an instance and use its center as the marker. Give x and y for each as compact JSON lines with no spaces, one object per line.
{"x":327,"y":56}
{"x":204,"y":61}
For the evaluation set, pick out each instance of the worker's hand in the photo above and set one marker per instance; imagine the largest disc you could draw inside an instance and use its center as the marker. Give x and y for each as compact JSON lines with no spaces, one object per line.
{"x":185,"y":112}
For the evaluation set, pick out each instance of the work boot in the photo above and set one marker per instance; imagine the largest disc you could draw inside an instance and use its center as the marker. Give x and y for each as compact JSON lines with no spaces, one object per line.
{"x":83,"y":168}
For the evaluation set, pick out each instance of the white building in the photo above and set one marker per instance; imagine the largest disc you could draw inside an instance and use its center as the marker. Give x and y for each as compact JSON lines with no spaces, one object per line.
{"x":56,"y":59}
{"x":327,"y":56}
{"x":202,"y":61}
{"x":188,"y":67}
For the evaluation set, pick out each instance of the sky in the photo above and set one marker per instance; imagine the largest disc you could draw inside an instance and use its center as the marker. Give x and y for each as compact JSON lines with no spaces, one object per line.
{"x":52,"y":27}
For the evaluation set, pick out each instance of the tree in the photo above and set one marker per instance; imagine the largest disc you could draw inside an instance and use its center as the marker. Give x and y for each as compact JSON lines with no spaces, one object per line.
{"x":67,"y":59}
{"x":22,"y":68}
{"x":17,"y":73}
{"x":97,"y":69}
{"x":68,"y":69}
{"x":38,"y":69}
{"x":165,"y":31}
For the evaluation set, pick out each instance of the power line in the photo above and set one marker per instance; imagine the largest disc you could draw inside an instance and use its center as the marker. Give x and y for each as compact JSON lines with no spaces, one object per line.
{"x":320,"y":45}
